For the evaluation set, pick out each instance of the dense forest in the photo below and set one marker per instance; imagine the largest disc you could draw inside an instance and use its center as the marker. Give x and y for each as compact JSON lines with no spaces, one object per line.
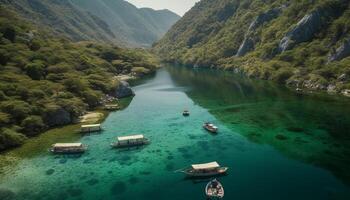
{"x":305,"y":44}
{"x":46,"y":80}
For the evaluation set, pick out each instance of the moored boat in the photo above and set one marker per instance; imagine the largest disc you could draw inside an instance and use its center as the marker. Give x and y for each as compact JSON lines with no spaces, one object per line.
{"x":210,"y":127}
{"x":186,"y":113}
{"x":90,"y":128}
{"x":205,"y":170}
{"x":214,"y":189}
{"x":68,"y":148}
{"x":112,"y":107}
{"x":130,"y":141}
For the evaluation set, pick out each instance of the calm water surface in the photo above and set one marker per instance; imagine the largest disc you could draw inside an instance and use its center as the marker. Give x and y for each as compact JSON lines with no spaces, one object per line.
{"x":277,"y":143}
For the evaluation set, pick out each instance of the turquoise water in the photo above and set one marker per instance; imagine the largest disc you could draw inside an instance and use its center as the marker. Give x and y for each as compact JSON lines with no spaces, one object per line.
{"x":278,"y":145}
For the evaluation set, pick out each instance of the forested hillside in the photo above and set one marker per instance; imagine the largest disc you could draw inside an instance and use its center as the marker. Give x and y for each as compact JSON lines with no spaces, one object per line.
{"x":49,"y":81}
{"x":300,"y":43}
{"x":108,"y":21}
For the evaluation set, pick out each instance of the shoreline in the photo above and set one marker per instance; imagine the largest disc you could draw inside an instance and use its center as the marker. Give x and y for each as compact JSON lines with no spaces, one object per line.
{"x":302,"y":90}
{"x":96,"y":116}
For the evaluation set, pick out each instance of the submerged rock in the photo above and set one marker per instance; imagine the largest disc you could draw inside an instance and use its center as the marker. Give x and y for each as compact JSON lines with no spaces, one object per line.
{"x":118,"y":188}
{"x":50,"y":172}
{"x":342,"y":52}
{"x":281,"y":137}
{"x":123,"y":90}
{"x":6,"y":194}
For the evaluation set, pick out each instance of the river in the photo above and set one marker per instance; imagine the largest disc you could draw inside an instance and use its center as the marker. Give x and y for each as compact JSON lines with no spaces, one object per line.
{"x":278,"y":144}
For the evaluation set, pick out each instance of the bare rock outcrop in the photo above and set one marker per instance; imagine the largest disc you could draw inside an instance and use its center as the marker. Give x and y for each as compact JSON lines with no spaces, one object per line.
{"x":123,"y":90}
{"x":248,"y":43}
{"x":342,"y":52}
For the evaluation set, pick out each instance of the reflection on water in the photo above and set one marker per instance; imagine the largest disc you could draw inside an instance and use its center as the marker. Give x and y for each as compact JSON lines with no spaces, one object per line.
{"x":311,"y":127}
{"x":277,"y":144}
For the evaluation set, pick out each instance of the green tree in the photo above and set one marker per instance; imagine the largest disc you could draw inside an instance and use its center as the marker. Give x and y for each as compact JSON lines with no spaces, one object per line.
{"x":16,"y":108}
{"x":35,"y":70}
{"x":4,"y":118}
{"x":10,"y":138}
{"x":32,"y":125}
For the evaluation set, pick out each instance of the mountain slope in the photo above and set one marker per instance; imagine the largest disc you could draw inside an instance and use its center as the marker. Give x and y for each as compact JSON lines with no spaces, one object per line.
{"x":301,"y":43}
{"x":64,"y":18}
{"x":47,"y":80}
{"x":110,"y":21}
{"x":139,"y":26}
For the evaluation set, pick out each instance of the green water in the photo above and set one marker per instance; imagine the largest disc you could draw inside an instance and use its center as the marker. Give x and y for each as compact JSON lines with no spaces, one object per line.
{"x":278,"y":145}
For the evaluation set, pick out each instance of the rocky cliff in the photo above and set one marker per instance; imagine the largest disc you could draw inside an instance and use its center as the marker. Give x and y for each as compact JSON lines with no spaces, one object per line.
{"x":300,"y":43}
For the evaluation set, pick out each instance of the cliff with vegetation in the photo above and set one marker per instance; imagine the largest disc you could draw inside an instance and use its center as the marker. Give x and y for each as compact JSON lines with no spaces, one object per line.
{"x":47,"y":81}
{"x":304,"y":44}
{"x":109,"y":21}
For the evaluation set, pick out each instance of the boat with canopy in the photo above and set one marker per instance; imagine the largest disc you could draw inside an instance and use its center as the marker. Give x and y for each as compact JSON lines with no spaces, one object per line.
{"x":130,"y":141}
{"x":205,"y":170}
{"x":68,"y":148}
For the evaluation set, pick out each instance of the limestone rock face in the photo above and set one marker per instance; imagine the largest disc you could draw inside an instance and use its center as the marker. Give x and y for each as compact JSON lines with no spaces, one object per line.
{"x":342,"y":52}
{"x":304,"y":31}
{"x":124,"y":90}
{"x":57,"y":116}
{"x":248,"y":44}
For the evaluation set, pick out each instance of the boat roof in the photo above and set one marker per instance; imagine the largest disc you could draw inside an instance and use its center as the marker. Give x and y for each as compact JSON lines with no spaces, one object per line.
{"x":90,"y":125}
{"x":67,"y":145}
{"x":206,"y":166}
{"x":130,"y":137}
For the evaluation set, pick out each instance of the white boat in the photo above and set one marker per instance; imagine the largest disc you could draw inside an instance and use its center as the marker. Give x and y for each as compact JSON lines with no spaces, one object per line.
{"x":205,"y":170}
{"x":90,"y":128}
{"x":130,"y":141}
{"x":214,"y":189}
{"x":210,"y":127}
{"x":68,"y":148}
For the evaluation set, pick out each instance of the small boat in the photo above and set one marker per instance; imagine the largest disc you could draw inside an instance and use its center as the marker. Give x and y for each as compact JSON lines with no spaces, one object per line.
{"x":90,"y":128}
{"x":205,"y":170}
{"x":68,"y":148}
{"x":186,"y":113}
{"x":130,"y":141}
{"x":210,"y":127}
{"x":112,"y":107}
{"x":214,"y":189}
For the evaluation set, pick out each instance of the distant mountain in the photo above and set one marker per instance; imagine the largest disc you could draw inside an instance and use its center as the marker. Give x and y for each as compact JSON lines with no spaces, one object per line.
{"x":299,"y":43}
{"x":111,"y":21}
{"x":138,"y":26}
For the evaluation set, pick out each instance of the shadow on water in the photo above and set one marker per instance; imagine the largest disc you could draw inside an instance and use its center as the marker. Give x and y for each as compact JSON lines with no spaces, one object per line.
{"x":314,"y":128}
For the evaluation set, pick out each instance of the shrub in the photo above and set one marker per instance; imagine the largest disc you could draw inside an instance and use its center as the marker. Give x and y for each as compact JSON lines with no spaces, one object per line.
{"x":32,"y":125}
{"x":16,"y":108}
{"x":282,"y":75}
{"x":34,"y":45}
{"x":92,"y":98}
{"x":35,"y":70}
{"x":75,"y":85}
{"x":4,"y":57}
{"x":4,"y":118}
{"x":3,"y":96}
{"x":9,"y":32}
{"x":140,"y":70}
{"x":10,"y":138}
